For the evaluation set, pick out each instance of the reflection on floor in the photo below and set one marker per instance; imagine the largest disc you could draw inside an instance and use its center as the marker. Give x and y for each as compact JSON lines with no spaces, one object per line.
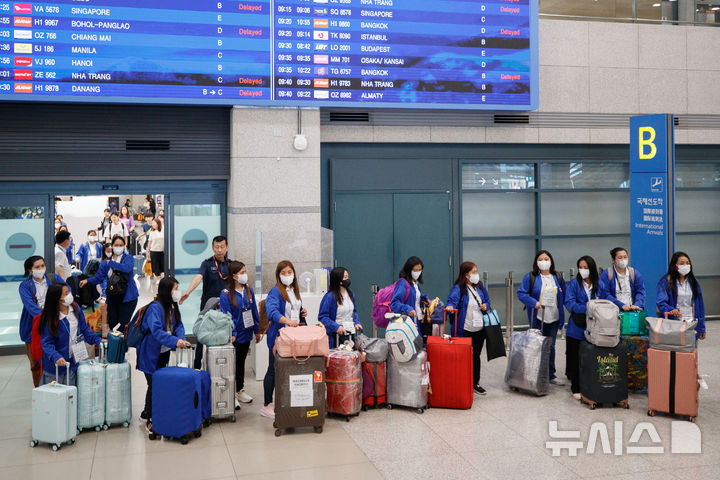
{"x":503,"y":437}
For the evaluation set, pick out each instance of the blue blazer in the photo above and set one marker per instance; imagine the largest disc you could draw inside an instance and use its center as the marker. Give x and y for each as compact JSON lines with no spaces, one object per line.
{"x":241,"y":334}
{"x":126,"y":265}
{"x":576,"y":302}
{"x":275,"y":308}
{"x":148,"y":351}
{"x":667,"y":300}
{"x":637,"y":289}
{"x":55,"y":348}
{"x":529,"y":299}
{"x":398,"y":306}
{"x":460,"y":302}
{"x":328,"y":314}
{"x":30,"y":309}
{"x":83,"y":253}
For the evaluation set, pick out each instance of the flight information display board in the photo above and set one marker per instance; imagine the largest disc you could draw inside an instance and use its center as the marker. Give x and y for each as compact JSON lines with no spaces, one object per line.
{"x":384,"y":53}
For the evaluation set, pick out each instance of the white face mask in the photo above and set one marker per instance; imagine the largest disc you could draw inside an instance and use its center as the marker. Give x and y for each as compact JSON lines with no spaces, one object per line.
{"x":416,"y":275}
{"x":118,"y":251}
{"x":57,"y":225}
{"x":544,"y":264}
{"x":38,"y":273}
{"x":243,"y":279}
{"x":287,"y":280}
{"x":68,"y":299}
{"x":474,"y":278}
{"x":108,"y":254}
{"x":584,"y":272}
{"x":92,"y":238}
{"x":176,"y":295}
{"x":684,"y":269}
{"x":622,"y":263}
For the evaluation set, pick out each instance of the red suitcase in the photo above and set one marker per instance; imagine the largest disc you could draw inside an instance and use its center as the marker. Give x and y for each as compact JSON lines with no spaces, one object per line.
{"x":376,"y":376}
{"x":450,"y":372}
{"x":343,"y":377}
{"x":673,"y":383}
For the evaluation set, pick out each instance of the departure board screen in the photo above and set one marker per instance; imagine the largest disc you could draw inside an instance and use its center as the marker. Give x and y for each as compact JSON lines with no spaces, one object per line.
{"x":382,"y":53}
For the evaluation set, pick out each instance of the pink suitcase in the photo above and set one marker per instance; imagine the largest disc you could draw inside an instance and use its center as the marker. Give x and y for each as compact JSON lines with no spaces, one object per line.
{"x":673,"y":383}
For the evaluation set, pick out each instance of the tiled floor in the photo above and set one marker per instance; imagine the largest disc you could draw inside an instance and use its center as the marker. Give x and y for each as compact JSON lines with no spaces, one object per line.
{"x":503,"y":436}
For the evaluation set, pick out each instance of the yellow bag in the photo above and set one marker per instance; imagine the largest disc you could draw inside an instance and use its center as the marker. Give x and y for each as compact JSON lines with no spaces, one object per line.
{"x":147,"y":268}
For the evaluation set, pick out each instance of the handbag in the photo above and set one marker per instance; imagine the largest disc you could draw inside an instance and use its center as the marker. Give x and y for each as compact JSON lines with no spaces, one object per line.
{"x":117,"y":284}
{"x":493,"y":335}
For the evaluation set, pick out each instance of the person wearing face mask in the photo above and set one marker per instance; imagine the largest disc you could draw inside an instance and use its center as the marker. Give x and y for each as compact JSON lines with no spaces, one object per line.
{"x":64,"y":333}
{"x":338,"y":312}
{"x":470,"y":299}
{"x":581,"y":289}
{"x":284,"y":308}
{"x":621,"y":284}
{"x":238,"y":300}
{"x":679,"y":294}
{"x":33,"y":291}
{"x":62,"y":264}
{"x":89,"y":250}
{"x":119,"y":307}
{"x":407,"y":297}
{"x":165,"y":332}
{"x":542,"y":293}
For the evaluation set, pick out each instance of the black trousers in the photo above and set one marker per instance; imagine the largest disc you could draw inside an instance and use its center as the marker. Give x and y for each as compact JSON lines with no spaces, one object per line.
{"x":163,"y":361}
{"x":157,"y":262}
{"x":119,"y":312}
{"x":241,"y":351}
{"x":478,"y":340}
{"x":572,"y":363}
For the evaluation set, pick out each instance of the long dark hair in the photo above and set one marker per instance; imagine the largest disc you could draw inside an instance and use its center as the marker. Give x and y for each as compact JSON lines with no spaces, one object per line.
{"x":462,"y":279}
{"x":406,"y":272}
{"x":29,"y":262}
{"x":536,"y":269}
{"x":233,"y":269}
{"x":51,"y":311}
{"x":164,"y":297}
{"x":673,"y":275}
{"x":336,"y":277}
{"x":594,"y":277}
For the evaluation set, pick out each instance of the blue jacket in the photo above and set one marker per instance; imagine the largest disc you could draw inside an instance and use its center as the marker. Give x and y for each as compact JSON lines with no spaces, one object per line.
{"x":83,"y":253}
{"x":126,"y":265}
{"x":69,"y":251}
{"x":275,"y":308}
{"x":576,"y":302}
{"x":529,"y":299}
{"x":667,"y":300}
{"x":637,"y":289}
{"x":398,"y":306}
{"x":55,"y":348}
{"x":460,"y":302}
{"x":148,"y":351}
{"x":30,"y":307}
{"x":241,"y":334}
{"x":328,"y":314}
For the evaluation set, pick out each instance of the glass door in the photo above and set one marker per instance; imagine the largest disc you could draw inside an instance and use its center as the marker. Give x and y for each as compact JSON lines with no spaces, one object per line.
{"x":23,"y":223}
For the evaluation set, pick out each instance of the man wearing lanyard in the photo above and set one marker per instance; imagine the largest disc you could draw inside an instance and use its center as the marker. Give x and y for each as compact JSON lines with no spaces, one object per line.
{"x":213,"y":274}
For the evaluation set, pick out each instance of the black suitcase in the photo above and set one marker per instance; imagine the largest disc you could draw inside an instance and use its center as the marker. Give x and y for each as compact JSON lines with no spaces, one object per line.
{"x":604,"y":375}
{"x":299,"y":393}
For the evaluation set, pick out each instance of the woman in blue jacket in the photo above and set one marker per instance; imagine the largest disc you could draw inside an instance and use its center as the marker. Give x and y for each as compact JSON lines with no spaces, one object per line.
{"x":164,"y":332}
{"x":338,"y":312}
{"x":88,"y":250}
{"x":542,"y":293}
{"x":239,"y":301}
{"x":120,"y":307}
{"x":622,"y":284}
{"x":679,"y":294}
{"x":62,"y":326}
{"x":581,"y":289}
{"x":471,"y":300}
{"x":407,"y":297}
{"x":33,"y":291}
{"x":284,"y":308}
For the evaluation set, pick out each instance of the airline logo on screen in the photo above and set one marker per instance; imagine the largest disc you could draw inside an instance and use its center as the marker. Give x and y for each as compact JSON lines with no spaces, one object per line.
{"x":23,"y":88}
{"x":321,"y":83}
{"x":320,"y":1}
{"x":321,"y":23}
{"x":23,"y":74}
{"x":321,"y":59}
{"x":22,"y":22}
{"x":23,"y":48}
{"x":23,"y":61}
{"x":320,"y":35}
{"x":23,"y":34}
{"x":25,"y":8}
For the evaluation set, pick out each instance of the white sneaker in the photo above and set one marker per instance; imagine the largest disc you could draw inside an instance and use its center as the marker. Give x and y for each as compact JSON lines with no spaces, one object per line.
{"x":243,"y":397}
{"x":557,"y":381}
{"x":268,"y":411}
{"x":576,"y":396}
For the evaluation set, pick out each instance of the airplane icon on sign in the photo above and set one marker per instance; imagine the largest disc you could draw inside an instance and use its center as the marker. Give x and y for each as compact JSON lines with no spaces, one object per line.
{"x":656,"y":184}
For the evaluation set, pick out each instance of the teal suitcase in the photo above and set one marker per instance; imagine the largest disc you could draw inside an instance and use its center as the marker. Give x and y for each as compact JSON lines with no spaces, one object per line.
{"x":91,"y":395}
{"x":54,"y":413}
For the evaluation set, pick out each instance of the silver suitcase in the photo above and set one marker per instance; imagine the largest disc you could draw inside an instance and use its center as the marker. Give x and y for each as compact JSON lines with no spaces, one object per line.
{"x":220,"y":363}
{"x":91,"y":395}
{"x":54,"y":413}
{"x":407,"y":382}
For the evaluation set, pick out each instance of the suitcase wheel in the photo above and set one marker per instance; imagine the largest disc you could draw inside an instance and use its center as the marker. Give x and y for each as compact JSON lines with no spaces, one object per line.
{"x":691,"y":419}
{"x":389,"y":406}
{"x":206,"y":423}
{"x":365,"y":408}
{"x":125,"y":424}
{"x":152,"y":436}
{"x":317,"y":429}
{"x":652,"y":413}
{"x":97,"y":428}
{"x":275,"y":424}
{"x":233,"y":419}
{"x":347,"y":418}
{"x":71,"y":441}
{"x":198,"y":433}
{"x":420,"y":411}
{"x":33,"y":443}
{"x":56,"y":447}
{"x":184,"y":440}
{"x":278,"y":432}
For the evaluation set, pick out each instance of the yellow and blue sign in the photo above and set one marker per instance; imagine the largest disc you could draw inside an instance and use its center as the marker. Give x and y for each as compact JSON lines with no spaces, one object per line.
{"x":652,"y":197}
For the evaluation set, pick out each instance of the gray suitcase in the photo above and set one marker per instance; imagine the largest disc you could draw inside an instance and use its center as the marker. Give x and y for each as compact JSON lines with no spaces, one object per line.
{"x":220,"y":363}
{"x":299,"y":393}
{"x":91,"y":395}
{"x":54,"y":413}
{"x":407,"y":382}
{"x":528,"y":364}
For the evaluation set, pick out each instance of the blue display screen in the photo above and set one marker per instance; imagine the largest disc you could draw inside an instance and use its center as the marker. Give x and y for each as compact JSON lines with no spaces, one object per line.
{"x":384,"y":53}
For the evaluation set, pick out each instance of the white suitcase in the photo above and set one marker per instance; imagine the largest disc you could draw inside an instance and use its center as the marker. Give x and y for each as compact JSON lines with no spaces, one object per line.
{"x":220,"y":363}
{"x":54,"y":413}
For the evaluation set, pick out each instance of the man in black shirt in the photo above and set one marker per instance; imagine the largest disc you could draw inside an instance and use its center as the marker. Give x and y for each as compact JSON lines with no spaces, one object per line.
{"x":213,"y":274}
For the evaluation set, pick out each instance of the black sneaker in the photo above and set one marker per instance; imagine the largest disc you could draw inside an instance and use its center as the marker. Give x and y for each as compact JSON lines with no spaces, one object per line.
{"x":479,"y":390}
{"x":144,"y":415}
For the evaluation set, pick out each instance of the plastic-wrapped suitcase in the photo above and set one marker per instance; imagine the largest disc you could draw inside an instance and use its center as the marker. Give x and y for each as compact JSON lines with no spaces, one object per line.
{"x":299,"y":393}
{"x":637,"y":347}
{"x":374,"y":384}
{"x":118,"y":394}
{"x":528,"y":364}
{"x":138,"y":268}
{"x":54,"y":413}
{"x":91,"y":395}
{"x":673,"y":383}
{"x":408,"y":382}
{"x":451,"y":375}
{"x":343,"y":377}
{"x":220,"y":363}
{"x":603,"y":375}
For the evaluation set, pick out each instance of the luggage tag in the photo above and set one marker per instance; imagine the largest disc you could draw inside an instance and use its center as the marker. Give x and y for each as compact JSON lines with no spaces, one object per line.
{"x":79,"y":351}
{"x":248,"y":320}
{"x":549,"y":297}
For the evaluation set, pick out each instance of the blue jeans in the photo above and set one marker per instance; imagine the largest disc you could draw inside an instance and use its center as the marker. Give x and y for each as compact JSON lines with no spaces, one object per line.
{"x":269,"y":380}
{"x":50,"y":377}
{"x":551,"y":330}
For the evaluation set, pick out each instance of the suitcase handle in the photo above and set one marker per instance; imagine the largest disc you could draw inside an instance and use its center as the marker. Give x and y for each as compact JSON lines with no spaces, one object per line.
{"x":67,"y":375}
{"x":452,"y":311}
{"x":179,"y":355}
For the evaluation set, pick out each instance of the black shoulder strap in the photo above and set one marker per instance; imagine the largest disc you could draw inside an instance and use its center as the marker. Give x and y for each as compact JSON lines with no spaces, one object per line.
{"x":533,"y":277}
